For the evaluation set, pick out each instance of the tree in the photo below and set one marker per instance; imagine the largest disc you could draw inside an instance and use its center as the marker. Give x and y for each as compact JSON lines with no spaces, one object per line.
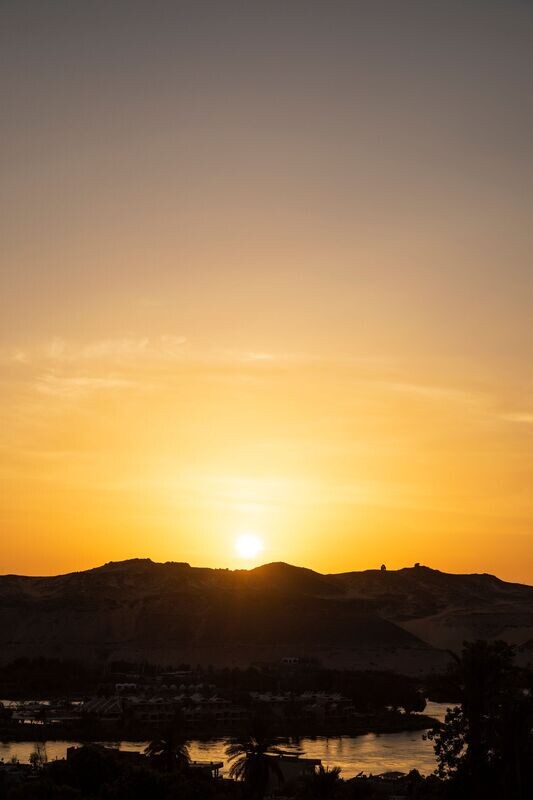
{"x":254,"y":759}
{"x":170,"y":749}
{"x":38,"y":758}
{"x":414,"y":702}
{"x":325,"y":784}
{"x":484,"y":746}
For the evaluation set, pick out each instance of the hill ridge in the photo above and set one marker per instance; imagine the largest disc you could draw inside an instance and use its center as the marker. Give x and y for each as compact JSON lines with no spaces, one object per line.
{"x":421,"y":568}
{"x":171,"y":612}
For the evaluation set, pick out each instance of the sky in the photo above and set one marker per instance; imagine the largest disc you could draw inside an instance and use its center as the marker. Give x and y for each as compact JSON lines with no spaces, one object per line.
{"x":266,"y":272}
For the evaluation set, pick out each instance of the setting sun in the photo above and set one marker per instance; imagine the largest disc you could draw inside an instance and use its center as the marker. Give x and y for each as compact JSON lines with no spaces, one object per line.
{"x":248,"y":545}
{"x":266,"y":442}
{"x":209,"y":351}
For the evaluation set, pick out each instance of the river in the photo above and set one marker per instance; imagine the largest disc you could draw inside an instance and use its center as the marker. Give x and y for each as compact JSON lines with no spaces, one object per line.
{"x":371,"y":753}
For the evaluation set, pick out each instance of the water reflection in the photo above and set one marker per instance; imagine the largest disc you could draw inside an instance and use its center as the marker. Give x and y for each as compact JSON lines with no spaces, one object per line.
{"x":370,"y":753}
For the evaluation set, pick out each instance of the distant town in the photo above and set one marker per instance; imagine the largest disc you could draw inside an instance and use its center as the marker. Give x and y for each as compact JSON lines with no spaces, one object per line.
{"x":298,"y":695}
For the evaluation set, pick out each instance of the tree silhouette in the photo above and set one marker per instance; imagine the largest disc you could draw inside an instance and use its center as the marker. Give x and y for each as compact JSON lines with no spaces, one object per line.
{"x":484,"y":746}
{"x":169,"y":750}
{"x":325,"y":784}
{"x":254,"y":759}
{"x":38,"y":758}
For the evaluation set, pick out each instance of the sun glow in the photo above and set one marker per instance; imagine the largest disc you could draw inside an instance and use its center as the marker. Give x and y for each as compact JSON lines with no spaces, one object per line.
{"x":248,"y":545}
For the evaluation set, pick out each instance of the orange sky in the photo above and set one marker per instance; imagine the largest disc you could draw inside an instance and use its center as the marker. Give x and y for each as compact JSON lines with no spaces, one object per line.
{"x":266,"y":268}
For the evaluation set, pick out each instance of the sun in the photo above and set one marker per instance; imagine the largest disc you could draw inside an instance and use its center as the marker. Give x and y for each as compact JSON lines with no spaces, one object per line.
{"x":248,"y":545}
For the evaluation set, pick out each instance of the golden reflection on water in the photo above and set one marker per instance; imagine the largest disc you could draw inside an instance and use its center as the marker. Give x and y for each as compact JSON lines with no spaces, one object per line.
{"x":372,"y":753}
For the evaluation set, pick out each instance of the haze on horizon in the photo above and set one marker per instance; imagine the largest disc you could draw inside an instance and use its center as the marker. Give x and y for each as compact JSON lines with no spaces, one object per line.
{"x":266,"y":272}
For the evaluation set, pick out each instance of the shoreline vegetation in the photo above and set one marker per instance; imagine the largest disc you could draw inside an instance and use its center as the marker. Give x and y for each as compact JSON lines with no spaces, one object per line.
{"x":132,"y":702}
{"x":388,"y":722}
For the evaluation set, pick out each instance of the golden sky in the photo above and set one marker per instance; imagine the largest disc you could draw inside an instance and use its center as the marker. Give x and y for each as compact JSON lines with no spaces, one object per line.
{"x":266,"y":269}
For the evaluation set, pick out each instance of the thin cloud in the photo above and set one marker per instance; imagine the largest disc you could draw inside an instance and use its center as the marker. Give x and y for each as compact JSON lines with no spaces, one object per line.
{"x":525,"y":418}
{"x":14,"y":355}
{"x":431,"y":392}
{"x":55,"y":349}
{"x":125,"y":348}
{"x":79,"y":386}
{"x":119,"y":349}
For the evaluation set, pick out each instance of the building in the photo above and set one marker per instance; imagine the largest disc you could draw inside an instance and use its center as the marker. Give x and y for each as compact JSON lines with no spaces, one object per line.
{"x":292,"y":768}
{"x":211,"y":768}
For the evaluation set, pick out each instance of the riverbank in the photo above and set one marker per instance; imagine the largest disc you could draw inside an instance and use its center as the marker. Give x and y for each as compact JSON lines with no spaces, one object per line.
{"x":370,"y":753}
{"x":89,"y":730}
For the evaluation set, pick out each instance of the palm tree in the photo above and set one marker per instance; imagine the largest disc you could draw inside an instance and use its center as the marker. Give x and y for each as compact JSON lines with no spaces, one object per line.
{"x":324,"y":784}
{"x":170,"y":748}
{"x":254,"y":760}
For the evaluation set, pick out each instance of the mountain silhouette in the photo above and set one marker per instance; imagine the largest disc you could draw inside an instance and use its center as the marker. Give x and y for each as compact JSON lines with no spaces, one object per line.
{"x":139,"y":610}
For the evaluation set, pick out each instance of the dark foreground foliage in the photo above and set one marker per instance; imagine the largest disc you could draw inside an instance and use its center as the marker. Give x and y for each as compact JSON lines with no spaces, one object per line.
{"x":485,"y":747}
{"x":94,"y":773}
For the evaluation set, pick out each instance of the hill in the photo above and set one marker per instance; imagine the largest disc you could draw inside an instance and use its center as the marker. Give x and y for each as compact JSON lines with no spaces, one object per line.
{"x":445,"y":609}
{"x":171,"y":613}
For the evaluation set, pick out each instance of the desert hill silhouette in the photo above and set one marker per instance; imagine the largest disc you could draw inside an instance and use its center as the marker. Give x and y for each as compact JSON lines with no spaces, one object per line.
{"x":140,"y":610}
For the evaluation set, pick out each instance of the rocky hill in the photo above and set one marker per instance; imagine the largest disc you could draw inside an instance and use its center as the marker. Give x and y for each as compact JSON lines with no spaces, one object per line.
{"x":172,"y":613}
{"x":443,"y":609}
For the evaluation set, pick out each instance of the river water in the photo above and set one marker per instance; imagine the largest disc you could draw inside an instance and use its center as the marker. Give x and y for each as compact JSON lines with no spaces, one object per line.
{"x":371,"y":753}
